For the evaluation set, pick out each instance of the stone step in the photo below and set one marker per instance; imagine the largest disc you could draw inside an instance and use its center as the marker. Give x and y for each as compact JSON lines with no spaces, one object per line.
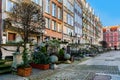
{"x":4,"y":66}
{"x":5,"y":70}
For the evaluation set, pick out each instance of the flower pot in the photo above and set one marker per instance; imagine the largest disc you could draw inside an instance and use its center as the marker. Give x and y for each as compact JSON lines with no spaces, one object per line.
{"x":24,"y":71}
{"x":40,"y":66}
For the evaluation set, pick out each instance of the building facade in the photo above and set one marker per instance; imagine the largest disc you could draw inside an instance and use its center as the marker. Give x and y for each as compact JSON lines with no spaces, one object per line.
{"x":78,"y":21}
{"x":73,"y":21}
{"x":54,"y":20}
{"x":91,"y":25}
{"x":52,"y":11}
{"x":9,"y":33}
{"x":98,"y":31}
{"x":68,"y":20}
{"x":111,"y":35}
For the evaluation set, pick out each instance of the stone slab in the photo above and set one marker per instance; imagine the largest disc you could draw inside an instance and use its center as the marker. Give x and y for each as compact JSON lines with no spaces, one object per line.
{"x":102,"y":77}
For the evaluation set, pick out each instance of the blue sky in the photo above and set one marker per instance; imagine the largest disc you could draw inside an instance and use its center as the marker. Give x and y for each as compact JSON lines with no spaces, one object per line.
{"x":108,"y":10}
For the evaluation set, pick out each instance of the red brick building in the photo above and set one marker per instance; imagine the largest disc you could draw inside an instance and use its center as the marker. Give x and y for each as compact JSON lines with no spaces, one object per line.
{"x":112,"y":36}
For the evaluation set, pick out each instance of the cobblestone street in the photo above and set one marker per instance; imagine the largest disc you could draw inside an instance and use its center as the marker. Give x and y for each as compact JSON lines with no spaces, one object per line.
{"x":103,"y":67}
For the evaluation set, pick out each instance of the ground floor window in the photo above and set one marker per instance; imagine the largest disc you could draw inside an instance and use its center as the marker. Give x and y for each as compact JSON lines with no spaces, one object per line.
{"x":11,"y":36}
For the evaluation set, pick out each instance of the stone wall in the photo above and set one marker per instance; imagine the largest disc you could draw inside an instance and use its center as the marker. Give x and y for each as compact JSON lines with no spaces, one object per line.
{"x":10,"y":50}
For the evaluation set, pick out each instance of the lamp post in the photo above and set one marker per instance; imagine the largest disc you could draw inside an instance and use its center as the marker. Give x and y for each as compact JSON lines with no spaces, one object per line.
{"x":43,"y":22}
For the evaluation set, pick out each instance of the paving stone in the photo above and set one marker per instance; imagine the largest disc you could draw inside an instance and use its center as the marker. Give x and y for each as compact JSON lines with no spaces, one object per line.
{"x":85,"y":71}
{"x":99,"y":68}
{"x":102,"y":77}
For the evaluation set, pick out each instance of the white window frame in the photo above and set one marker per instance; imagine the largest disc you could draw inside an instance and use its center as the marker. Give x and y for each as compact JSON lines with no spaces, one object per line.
{"x":7,"y":7}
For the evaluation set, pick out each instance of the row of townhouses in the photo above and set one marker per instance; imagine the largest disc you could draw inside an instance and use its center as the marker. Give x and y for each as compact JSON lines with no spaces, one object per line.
{"x":73,"y":21}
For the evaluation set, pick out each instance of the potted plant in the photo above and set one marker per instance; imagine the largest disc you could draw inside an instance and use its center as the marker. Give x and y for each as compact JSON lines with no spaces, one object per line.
{"x":53,"y":60}
{"x":52,"y":46}
{"x":61,"y":55}
{"x":67,"y":57}
{"x":41,"y":59}
{"x":24,"y":69}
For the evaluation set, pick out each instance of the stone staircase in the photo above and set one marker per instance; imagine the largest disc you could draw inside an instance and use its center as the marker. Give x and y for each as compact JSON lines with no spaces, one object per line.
{"x":5,"y":65}
{"x":4,"y":68}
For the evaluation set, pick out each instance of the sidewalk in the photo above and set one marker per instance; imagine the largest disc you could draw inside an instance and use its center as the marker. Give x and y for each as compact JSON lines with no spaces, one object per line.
{"x":41,"y":74}
{"x":36,"y":73}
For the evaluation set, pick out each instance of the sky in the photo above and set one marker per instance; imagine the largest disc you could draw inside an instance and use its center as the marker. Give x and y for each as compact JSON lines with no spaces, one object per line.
{"x":107,"y":10}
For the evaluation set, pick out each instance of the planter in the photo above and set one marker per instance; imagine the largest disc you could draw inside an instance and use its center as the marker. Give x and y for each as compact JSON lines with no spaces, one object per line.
{"x":24,"y":71}
{"x":40,"y":66}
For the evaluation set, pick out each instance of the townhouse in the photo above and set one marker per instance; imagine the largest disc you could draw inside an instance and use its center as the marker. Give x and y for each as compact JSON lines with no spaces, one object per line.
{"x":91,"y":25}
{"x":73,"y":21}
{"x":68,"y":20}
{"x":111,"y":34}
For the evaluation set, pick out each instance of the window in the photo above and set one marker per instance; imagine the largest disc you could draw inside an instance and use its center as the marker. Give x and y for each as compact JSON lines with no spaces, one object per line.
{"x":9,"y":5}
{"x":70,"y":20}
{"x":59,"y":13}
{"x":47,"y":23}
{"x":54,"y":27}
{"x":65,"y":17}
{"x":107,"y":30}
{"x":59,"y":28}
{"x":11,"y":36}
{"x":54,"y":9}
{"x":36,"y":1}
{"x":65,"y":30}
{"x":68,"y":5}
{"x":47,"y":9}
{"x":60,"y":1}
{"x":40,"y":2}
{"x":69,"y":31}
{"x":119,"y":38}
{"x":64,"y":2}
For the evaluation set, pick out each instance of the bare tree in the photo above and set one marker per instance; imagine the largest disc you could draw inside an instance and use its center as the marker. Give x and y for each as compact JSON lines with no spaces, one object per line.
{"x":28,"y":18}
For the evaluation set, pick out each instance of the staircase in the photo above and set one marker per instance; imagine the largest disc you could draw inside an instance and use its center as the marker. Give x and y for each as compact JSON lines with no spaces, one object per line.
{"x":4,"y":68}
{"x":5,"y":65}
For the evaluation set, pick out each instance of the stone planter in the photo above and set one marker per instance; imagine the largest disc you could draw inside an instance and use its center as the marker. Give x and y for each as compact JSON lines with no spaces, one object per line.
{"x":24,"y":71}
{"x":40,"y":66}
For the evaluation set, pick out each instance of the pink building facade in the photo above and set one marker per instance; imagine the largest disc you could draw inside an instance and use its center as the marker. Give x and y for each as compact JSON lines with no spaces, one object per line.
{"x":112,"y":36}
